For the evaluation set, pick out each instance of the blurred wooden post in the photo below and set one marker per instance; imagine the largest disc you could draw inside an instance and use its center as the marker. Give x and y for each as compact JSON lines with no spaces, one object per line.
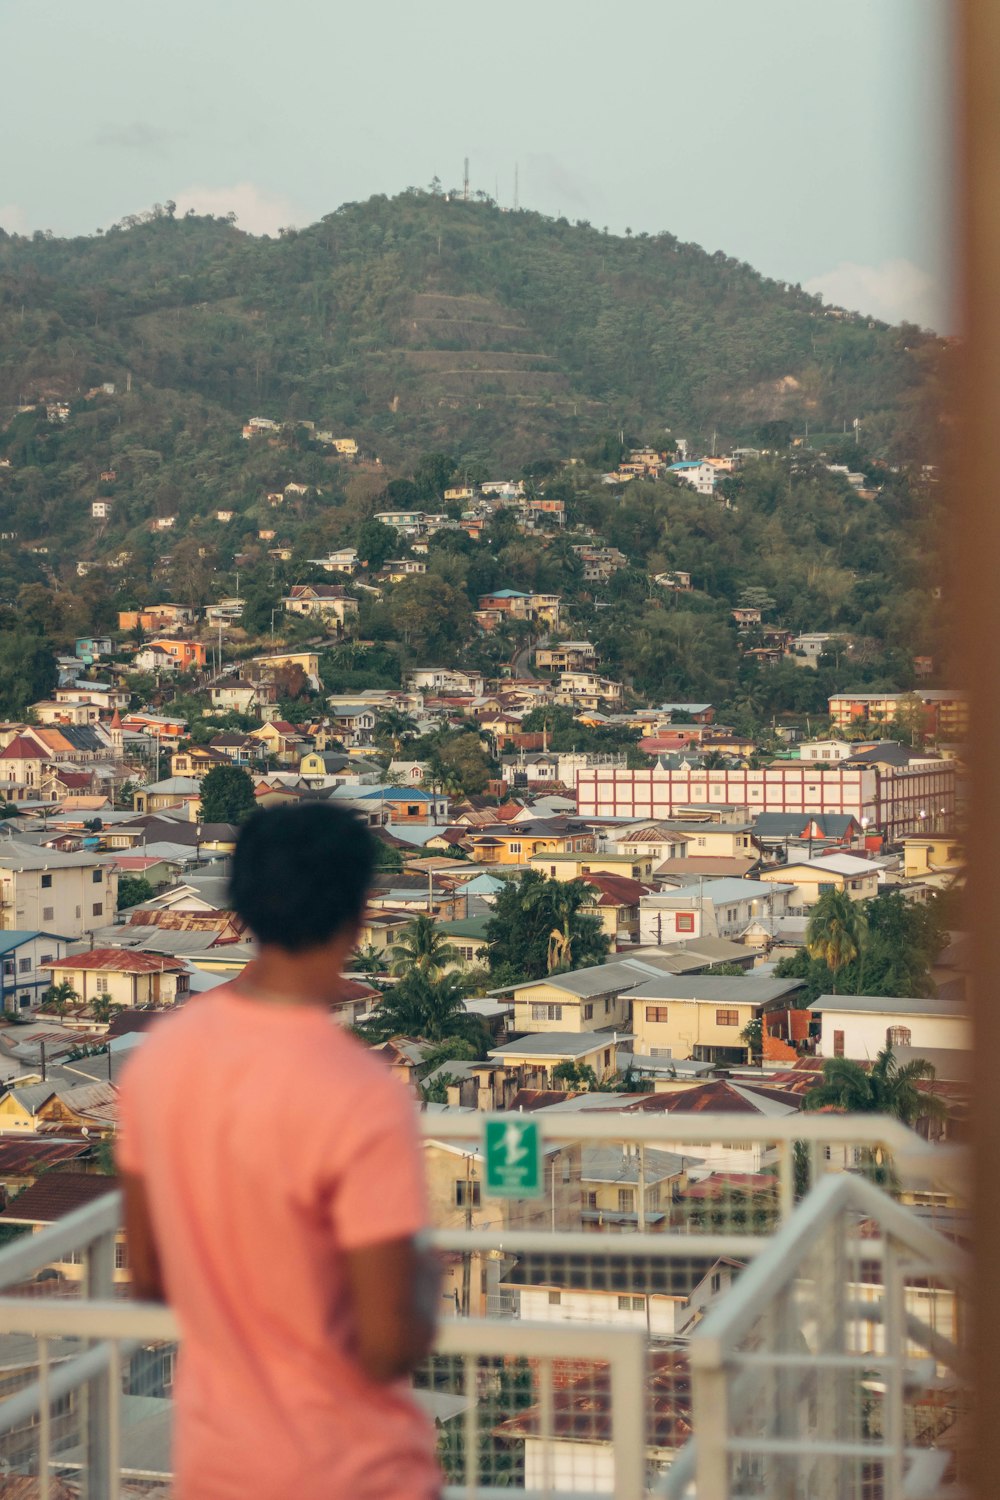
{"x":978,"y":588}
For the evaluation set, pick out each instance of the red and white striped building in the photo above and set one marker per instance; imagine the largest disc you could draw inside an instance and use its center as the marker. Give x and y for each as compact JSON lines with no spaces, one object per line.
{"x":892,"y":800}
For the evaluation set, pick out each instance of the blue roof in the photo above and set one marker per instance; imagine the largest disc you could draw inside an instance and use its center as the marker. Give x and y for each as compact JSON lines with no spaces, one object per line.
{"x":9,"y":940}
{"x":687,"y":463}
{"x":396,"y":794}
{"x":507,"y":594}
{"x":483,"y":885}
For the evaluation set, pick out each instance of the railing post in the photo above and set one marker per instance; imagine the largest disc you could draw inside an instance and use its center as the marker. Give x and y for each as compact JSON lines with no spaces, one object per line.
{"x":710,"y":1389}
{"x":99,"y":1461}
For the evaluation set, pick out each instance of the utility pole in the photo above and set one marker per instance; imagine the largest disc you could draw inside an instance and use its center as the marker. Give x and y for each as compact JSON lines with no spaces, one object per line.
{"x":465,"y":182}
{"x":467,"y":1257}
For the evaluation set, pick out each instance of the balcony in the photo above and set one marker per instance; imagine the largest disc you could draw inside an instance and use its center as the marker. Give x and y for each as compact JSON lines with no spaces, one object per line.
{"x":789,"y":1330}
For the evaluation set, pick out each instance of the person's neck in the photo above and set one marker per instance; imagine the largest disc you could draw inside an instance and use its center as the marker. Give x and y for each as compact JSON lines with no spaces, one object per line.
{"x":312,"y":977}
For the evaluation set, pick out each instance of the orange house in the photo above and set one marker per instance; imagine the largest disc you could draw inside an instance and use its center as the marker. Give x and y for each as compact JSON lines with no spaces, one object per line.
{"x":186,"y":654}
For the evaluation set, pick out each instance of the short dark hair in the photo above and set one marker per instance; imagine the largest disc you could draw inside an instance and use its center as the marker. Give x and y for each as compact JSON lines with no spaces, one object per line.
{"x":301,"y":874}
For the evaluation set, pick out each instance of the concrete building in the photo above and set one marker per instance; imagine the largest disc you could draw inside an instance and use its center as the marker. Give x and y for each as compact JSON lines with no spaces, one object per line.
{"x":45,"y":890}
{"x":860,"y":1026}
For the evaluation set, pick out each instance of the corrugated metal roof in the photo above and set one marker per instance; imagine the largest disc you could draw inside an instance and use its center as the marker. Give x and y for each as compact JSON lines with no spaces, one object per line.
{"x":55,"y":1195}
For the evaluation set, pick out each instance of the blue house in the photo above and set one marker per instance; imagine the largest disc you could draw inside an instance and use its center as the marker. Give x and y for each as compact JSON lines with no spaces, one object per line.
{"x":23,"y":975}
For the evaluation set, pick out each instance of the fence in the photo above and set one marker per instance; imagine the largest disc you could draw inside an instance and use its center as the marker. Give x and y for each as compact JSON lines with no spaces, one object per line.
{"x":568,"y":1358}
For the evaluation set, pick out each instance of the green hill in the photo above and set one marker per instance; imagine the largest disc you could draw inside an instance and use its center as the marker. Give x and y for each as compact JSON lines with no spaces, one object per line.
{"x":422,"y":322}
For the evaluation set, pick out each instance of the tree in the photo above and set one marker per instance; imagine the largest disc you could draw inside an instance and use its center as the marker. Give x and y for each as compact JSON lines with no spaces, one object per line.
{"x":460,"y":765}
{"x":883,"y":1089}
{"x":101,"y":1007}
{"x":396,"y":726}
{"x":227,"y":795}
{"x":375,"y":542}
{"x":27,"y":671}
{"x":426,"y":1008}
{"x":835,"y":931}
{"x":575,"y":1076}
{"x":753,"y":1035}
{"x":59,"y":997}
{"x":133,"y":890}
{"x":429,"y":615}
{"x":536,"y":920}
{"x":422,"y":947}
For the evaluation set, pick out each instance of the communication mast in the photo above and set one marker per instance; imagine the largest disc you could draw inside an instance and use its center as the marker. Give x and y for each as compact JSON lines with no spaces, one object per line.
{"x":465,"y":182}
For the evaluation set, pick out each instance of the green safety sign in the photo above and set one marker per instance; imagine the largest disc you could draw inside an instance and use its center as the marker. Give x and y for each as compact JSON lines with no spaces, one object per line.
{"x":512,"y":1151}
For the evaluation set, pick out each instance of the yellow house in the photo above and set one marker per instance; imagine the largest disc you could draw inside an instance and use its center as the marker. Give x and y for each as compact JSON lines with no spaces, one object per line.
{"x":570,"y":866}
{"x":122,"y":977}
{"x":20,"y":1108}
{"x":584,"y":1000}
{"x":610,"y":1188}
{"x":931,"y":856}
{"x":809,"y":878}
{"x":51,"y":1198}
{"x":517,"y":843}
{"x":702,"y":1016}
{"x":535,"y":1058}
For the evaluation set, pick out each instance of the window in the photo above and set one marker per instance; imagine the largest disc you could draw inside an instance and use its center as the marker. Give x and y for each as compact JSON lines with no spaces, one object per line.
{"x":838,"y":1044}
{"x":46,"y":882}
{"x":102,"y":984}
{"x":716,"y":1282}
{"x":24,"y":966}
{"x":413,"y":811}
{"x":607,"y":1057}
{"x":685,"y":921}
{"x":546,"y":1012}
{"x":98,"y":908}
{"x":95,"y":878}
{"x":467,"y":1193}
{"x":591,"y":1200}
{"x":121,"y":1256}
{"x":555,"y":1298}
{"x":631,"y":1304}
{"x":626,"y":1200}
{"x":8,"y":967}
{"x":46,"y":958}
{"x":727,"y":1018}
{"x":49,"y":912}
{"x":588,"y":1012}
{"x":657,"y":1013}
{"x":607,"y":1006}
{"x":515,"y":848}
{"x":896,"y":1036}
{"x":661,"y":1051}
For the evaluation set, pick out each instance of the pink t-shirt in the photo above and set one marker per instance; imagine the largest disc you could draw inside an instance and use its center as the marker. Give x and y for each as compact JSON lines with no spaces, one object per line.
{"x":270,"y":1142}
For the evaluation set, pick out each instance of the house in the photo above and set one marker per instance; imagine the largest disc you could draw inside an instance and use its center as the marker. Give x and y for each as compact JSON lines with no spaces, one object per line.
{"x":225,"y":612}
{"x":709,"y":908}
{"x":184,"y":655}
{"x":394,"y":570}
{"x":698,"y":473}
{"x":588,"y":690}
{"x":123,"y":977}
{"x":327,"y":601}
{"x":388,"y":804}
{"x":197,"y":761}
{"x":556,"y":866}
{"x":23,"y":977}
{"x":157,"y":726}
{"x":89,"y":648}
{"x":409,"y":522}
{"x":172,"y":791}
{"x":940,"y":714}
{"x":512,"y":604}
{"x":616,"y":905}
{"x":45,"y":890}
{"x":565,"y":656}
{"x":677,"y":582}
{"x":353,"y":724}
{"x":701,"y":1016}
{"x":933,"y":856}
{"x":157,"y":617}
{"x":860,"y":1026}
{"x":810,"y":878}
{"x":443,"y":680}
{"x":238,"y":749}
{"x":533,"y":1059}
{"x":240,"y":695}
{"x":55,"y":1196}
{"x":23,"y":762}
{"x":341,"y":560}
{"x":585,"y":1000}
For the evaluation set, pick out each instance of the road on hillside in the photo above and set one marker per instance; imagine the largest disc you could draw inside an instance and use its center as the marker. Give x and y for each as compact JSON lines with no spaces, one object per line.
{"x":520,"y":664}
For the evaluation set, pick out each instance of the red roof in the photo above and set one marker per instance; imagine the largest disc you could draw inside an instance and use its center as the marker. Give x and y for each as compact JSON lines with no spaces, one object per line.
{"x":120,"y":961}
{"x":21,"y":748}
{"x":715,"y":1097}
{"x":616,"y":890}
{"x":55,"y":1195}
{"x":21,"y":1155}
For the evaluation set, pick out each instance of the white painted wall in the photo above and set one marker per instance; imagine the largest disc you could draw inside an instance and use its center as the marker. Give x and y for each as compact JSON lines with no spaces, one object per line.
{"x":865,"y":1035}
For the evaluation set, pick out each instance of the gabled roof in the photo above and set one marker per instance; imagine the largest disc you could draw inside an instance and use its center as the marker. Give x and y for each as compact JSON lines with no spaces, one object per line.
{"x":716,"y":989}
{"x":21,"y":748}
{"x":119,"y":961}
{"x":55,"y":1195}
{"x":719,"y":1096}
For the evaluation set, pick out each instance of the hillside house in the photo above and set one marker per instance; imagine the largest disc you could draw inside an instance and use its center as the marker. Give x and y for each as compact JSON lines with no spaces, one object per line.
{"x":325,"y":601}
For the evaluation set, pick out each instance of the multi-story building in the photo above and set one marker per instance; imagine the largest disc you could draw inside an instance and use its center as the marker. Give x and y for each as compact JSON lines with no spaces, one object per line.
{"x":885,"y":798}
{"x":44,"y":890}
{"x":327,"y":600}
{"x":23,"y":975}
{"x":722,"y":907}
{"x":701,"y":1016}
{"x":943,"y":714}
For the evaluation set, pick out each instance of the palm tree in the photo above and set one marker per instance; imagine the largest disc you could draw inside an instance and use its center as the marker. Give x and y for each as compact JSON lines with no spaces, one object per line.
{"x":395,"y":726}
{"x":836,"y":931}
{"x":422,"y":948}
{"x":429,"y":1009}
{"x":59,"y":997}
{"x":884,"y":1089}
{"x":560,"y":901}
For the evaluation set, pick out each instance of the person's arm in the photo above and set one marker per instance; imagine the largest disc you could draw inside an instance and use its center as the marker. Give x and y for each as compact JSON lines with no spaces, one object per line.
{"x":143,"y":1256}
{"x":394,"y":1288}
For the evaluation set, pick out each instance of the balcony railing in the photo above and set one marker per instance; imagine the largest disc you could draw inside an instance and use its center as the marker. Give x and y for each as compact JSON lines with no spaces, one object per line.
{"x":804,"y":1324}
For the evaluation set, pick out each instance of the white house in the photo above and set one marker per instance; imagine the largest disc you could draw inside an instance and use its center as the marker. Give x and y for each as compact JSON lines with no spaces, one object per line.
{"x":711,"y":908}
{"x":698,"y":473}
{"x":860,"y":1026}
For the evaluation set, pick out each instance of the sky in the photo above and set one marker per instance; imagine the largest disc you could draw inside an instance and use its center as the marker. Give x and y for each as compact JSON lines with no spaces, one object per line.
{"x":808,"y":137}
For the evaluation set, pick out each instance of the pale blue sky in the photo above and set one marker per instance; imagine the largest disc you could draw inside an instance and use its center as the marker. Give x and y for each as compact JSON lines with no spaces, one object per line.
{"x":808,"y":137}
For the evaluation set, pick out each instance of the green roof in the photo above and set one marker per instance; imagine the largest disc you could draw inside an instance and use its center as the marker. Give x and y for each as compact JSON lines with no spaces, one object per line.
{"x":470,"y":927}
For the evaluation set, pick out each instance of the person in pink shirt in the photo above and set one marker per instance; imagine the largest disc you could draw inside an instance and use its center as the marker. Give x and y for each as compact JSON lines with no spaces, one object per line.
{"x":274,"y":1197}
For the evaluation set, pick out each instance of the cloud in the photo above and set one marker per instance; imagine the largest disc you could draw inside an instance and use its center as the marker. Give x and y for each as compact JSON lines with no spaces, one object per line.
{"x":896,"y":291}
{"x":13,"y":218}
{"x":256,"y":211}
{"x":135,"y":135}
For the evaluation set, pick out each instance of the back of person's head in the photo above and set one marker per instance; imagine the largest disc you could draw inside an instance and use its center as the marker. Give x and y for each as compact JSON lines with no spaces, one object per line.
{"x":301,"y":874}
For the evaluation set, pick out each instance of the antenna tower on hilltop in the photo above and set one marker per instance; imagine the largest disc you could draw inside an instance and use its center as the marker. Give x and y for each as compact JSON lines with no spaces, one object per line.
{"x":465,"y":182}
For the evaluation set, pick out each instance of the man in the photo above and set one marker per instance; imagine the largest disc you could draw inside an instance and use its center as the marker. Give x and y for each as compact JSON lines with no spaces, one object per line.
{"x":274,"y":1196}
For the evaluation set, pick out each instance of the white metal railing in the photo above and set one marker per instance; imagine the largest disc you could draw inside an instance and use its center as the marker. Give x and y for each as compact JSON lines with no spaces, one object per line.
{"x":817,"y":1376}
{"x":67,"y":1416}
